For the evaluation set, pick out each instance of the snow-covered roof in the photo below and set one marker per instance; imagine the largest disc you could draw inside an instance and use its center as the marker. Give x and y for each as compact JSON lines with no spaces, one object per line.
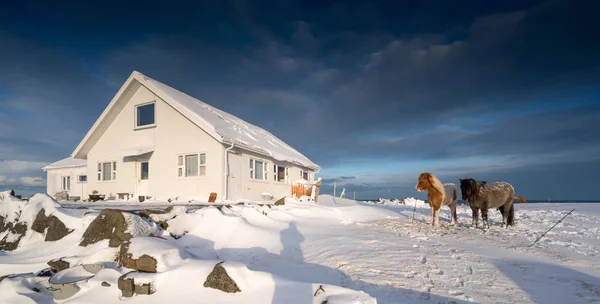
{"x":66,"y":163}
{"x":224,"y":127}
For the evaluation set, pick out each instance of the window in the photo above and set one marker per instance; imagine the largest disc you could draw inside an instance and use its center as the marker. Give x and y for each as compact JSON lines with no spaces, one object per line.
{"x":191,"y":165}
{"x":66,"y":183}
{"x":144,"y":170}
{"x":305,"y":175}
{"x":144,"y":115}
{"x":107,"y":171}
{"x":279,"y":173}
{"x":82,"y":178}
{"x":258,"y":169}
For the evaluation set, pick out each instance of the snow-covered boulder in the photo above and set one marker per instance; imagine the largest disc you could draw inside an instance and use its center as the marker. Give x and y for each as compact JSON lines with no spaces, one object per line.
{"x":136,"y":283}
{"x":20,"y":220}
{"x":151,"y":254}
{"x":117,"y":227}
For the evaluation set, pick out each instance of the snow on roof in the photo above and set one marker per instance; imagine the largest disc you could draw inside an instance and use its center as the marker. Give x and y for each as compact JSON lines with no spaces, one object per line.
{"x":231,"y":128}
{"x":65,"y":163}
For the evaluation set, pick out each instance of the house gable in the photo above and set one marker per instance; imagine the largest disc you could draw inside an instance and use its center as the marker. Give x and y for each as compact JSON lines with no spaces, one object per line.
{"x":119,"y":101}
{"x":222,"y":126}
{"x":115,"y":159}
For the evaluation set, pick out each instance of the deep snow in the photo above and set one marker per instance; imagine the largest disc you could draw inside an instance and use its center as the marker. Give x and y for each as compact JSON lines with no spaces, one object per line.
{"x":283,"y":254}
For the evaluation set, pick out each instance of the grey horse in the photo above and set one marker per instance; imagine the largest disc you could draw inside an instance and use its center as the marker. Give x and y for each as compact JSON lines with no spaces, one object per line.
{"x":481,"y":195}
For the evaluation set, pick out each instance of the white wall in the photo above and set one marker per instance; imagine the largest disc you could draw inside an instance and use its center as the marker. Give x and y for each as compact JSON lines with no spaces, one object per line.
{"x":241,"y":186}
{"x":54,"y":181}
{"x":173,"y":134}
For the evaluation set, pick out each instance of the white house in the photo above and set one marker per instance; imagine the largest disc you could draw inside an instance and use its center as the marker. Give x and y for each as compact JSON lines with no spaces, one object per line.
{"x":67,"y":175}
{"x":155,"y":141}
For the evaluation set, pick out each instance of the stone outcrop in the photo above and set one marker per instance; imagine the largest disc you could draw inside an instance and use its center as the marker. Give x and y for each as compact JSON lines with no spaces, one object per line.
{"x":280,"y":202}
{"x":58,"y":265}
{"x":144,"y":263}
{"x":108,"y":225}
{"x":56,"y":229}
{"x":128,"y":287}
{"x":16,"y":231}
{"x":219,"y":279}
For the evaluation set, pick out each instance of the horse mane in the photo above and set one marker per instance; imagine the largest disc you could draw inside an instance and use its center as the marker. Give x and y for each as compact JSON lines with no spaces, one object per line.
{"x":471,"y":186}
{"x":436,"y":184}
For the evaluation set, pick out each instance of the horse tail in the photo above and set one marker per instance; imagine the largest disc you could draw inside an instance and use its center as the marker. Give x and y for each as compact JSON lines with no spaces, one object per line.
{"x":511,"y":216}
{"x":520,"y":199}
{"x":455,"y":193}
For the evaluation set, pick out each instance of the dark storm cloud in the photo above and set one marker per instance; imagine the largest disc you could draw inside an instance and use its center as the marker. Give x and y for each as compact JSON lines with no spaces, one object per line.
{"x":339,"y":81}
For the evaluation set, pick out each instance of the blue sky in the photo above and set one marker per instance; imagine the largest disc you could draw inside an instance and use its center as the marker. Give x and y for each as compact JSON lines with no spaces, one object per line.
{"x":373,"y":91}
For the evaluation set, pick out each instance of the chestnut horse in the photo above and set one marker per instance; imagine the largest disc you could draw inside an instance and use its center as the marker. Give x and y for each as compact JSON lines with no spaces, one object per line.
{"x":482,"y":196}
{"x":438,"y":195}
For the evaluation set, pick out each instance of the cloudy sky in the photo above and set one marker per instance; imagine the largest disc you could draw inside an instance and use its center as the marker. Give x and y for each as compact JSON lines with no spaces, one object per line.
{"x":374,"y":92}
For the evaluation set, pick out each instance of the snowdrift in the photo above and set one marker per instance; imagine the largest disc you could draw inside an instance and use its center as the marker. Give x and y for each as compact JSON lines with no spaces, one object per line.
{"x":39,"y":218}
{"x":200,"y":255}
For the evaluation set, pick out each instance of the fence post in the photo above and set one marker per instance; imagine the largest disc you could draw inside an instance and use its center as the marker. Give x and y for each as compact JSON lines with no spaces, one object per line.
{"x":334,"y":189}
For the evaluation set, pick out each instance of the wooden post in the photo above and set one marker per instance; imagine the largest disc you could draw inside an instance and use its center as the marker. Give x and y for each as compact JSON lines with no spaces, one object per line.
{"x":342,"y":195}
{"x":334,"y":189}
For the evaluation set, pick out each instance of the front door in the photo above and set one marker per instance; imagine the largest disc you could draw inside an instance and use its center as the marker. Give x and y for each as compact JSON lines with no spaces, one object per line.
{"x":143,"y":174}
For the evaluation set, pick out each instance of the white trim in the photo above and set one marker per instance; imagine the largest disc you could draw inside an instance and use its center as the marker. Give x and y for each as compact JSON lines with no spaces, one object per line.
{"x":138,"y":78}
{"x":65,"y":180}
{"x":275,"y":174}
{"x":135,"y":116}
{"x":113,"y":172}
{"x":253,"y":169}
{"x":183,"y":167}
{"x":100,"y":119}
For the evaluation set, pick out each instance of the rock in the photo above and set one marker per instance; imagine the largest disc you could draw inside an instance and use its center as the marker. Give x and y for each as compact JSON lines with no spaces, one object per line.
{"x":142,"y":289}
{"x":56,"y":229}
{"x":144,"y":263}
{"x":45,"y":272}
{"x":128,"y":287}
{"x":105,"y":284}
{"x":147,"y":212}
{"x":16,"y":228}
{"x":109,"y":225}
{"x":280,"y":202}
{"x":163,"y":224}
{"x":58,"y":265}
{"x":219,"y":279}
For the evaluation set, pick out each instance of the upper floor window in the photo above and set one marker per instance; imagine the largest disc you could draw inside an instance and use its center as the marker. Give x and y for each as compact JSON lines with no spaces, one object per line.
{"x":144,"y":115}
{"x":305,"y":175}
{"x":82,"y":178}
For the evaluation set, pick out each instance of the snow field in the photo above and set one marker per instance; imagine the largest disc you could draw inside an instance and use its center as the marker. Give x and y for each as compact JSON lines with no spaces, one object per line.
{"x":359,"y":252}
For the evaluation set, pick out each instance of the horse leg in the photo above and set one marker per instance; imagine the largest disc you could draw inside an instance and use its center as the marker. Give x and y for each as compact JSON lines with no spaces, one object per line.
{"x":484,"y":217}
{"x":432,"y":215}
{"x":453,"y":219}
{"x":475,"y":216}
{"x":511,"y":215}
{"x":436,"y":213}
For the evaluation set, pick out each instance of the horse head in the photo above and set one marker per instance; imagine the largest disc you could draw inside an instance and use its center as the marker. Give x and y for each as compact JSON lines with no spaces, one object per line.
{"x":423,"y":182}
{"x":468,"y":187}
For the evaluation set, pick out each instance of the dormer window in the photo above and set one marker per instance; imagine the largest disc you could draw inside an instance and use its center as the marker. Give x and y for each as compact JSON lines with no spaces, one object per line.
{"x":144,"y":115}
